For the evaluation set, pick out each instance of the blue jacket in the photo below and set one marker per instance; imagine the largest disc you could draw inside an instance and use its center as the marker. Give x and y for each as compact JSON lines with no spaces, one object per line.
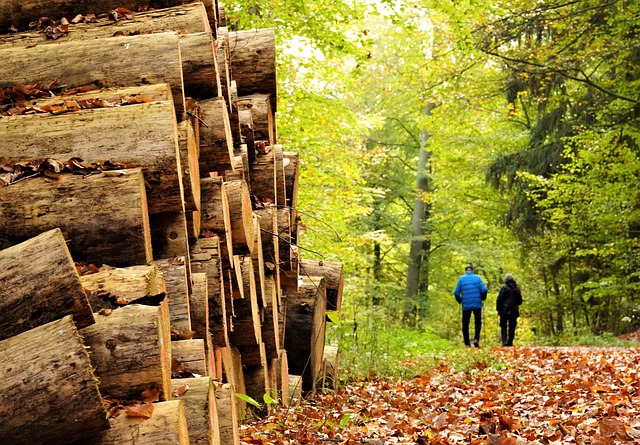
{"x":470,"y":291}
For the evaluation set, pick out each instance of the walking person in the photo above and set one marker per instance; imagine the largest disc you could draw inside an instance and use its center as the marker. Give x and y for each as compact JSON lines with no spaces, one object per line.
{"x":507,"y":305}
{"x":470,"y":292}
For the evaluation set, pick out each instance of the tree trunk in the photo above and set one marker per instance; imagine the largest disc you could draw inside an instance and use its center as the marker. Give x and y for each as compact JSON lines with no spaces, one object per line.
{"x":216,"y":140}
{"x":167,"y":426}
{"x":40,"y":284}
{"x":305,"y":329}
{"x":100,"y":63}
{"x":263,"y":178}
{"x":115,"y":231}
{"x":130,"y":350}
{"x":20,"y":14}
{"x":419,"y":250}
{"x":45,"y":376}
{"x":199,"y":402}
{"x":176,"y":272}
{"x":262,"y":119}
{"x":191,"y":356}
{"x":241,"y":217}
{"x":146,"y":136}
{"x":253,"y":62}
{"x":333,"y":276}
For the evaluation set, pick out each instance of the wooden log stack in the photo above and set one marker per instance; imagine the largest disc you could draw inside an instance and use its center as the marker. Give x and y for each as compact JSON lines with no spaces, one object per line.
{"x":148,"y":227}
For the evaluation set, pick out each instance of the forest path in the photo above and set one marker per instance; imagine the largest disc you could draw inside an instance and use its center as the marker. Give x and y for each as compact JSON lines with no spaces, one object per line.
{"x":512,"y":396}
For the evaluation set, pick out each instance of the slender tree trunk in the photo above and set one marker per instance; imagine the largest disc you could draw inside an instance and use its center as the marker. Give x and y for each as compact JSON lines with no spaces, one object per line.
{"x":418,"y":253}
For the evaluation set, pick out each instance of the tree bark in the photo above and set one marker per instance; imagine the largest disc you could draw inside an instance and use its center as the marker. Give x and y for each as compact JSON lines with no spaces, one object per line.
{"x":200,"y":407}
{"x":100,"y":63}
{"x":115,"y":232}
{"x":176,"y":272}
{"x":158,"y":92}
{"x":253,"y":62}
{"x":48,"y":389}
{"x":305,"y":329}
{"x":40,"y":284}
{"x":263,"y":178}
{"x":147,"y":136}
{"x":334,"y":279}
{"x":21,"y":13}
{"x":130,"y":350}
{"x":167,"y":426}
{"x":216,"y":140}
{"x":222,"y":46}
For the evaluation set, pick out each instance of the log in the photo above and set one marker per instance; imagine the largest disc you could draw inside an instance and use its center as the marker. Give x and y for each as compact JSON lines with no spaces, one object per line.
{"x":333,"y":277}
{"x":246,"y":334}
{"x":193,"y":225}
{"x":205,"y":258}
{"x":158,"y":92}
{"x":241,"y":217}
{"x":270,"y":324}
{"x":247,"y":135}
{"x":262,"y":119}
{"x":169,"y":235}
{"x":329,"y":371}
{"x":295,"y":390}
{"x":284,"y":238}
{"x":40,"y":284}
{"x":189,"y":149}
{"x":258,"y":263}
{"x":130,"y":350}
{"x":281,"y":198}
{"x":305,"y":329}
{"x":239,"y":386}
{"x":127,"y":285}
{"x":47,"y":387}
{"x":214,"y":212}
{"x":253,"y":62}
{"x":166,"y":426}
{"x":263,"y":178}
{"x":199,"y":402}
{"x":146,"y":136}
{"x":282,"y":377}
{"x":176,"y":272}
{"x":20,"y":14}
{"x":99,"y":63}
{"x":216,"y":140}
{"x":257,"y":382}
{"x":190,"y":354}
{"x":227,"y":414}
{"x":291,"y":179}
{"x":115,"y":231}
{"x":199,"y":304}
{"x":222,"y":46}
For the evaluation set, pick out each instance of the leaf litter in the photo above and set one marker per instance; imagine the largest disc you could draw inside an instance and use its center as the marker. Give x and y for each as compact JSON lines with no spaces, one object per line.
{"x":581,"y":396}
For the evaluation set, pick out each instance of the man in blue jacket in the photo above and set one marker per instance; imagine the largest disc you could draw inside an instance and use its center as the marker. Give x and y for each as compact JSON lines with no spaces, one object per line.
{"x":471,"y":292}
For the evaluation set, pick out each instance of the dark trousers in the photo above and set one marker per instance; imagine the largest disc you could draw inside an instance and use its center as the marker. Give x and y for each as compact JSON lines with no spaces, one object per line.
{"x":466,"y":318}
{"x":508,"y":325}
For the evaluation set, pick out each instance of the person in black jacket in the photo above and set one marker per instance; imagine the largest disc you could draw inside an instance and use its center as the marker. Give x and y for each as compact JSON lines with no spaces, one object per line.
{"x":509,"y":299}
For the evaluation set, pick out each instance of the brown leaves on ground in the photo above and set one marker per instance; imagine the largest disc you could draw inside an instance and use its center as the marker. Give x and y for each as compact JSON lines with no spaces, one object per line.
{"x":582,"y":396}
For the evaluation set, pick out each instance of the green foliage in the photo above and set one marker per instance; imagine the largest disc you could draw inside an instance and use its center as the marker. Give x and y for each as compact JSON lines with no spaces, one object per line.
{"x":246,"y":398}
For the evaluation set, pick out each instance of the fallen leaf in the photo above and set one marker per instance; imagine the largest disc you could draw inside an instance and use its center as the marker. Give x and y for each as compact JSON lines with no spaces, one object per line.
{"x":144,"y":410}
{"x":150,"y":395}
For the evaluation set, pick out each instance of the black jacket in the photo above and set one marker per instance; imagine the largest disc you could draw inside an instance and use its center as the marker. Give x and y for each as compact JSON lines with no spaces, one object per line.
{"x":509,"y":299}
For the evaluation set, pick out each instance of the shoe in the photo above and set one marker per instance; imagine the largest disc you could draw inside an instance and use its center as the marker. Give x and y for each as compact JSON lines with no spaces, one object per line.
{"x":476,"y":343}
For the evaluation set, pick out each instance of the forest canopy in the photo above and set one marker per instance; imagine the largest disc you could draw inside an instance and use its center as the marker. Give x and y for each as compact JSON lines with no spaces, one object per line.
{"x":527,"y":117}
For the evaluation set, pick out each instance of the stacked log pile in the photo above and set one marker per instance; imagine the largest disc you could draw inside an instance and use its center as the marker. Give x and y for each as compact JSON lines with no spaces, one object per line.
{"x":148,"y":227}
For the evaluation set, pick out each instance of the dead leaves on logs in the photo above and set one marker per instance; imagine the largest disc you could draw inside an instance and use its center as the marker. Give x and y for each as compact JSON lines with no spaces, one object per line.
{"x":11,"y":173}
